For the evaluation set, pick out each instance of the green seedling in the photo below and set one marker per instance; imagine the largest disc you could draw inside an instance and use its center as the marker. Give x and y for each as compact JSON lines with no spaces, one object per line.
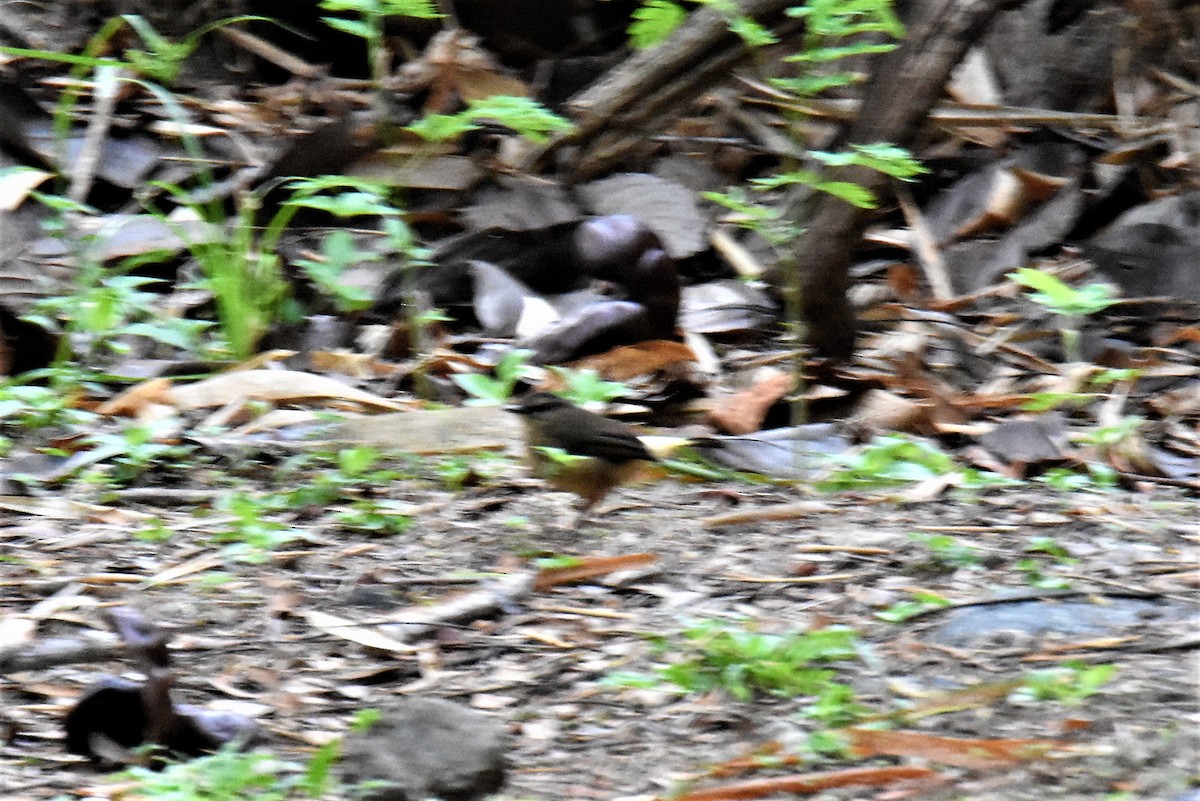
{"x":921,"y":603}
{"x":457,"y":472}
{"x":1069,"y":303}
{"x":338,"y":253}
{"x":488,"y":391}
{"x":1106,"y":437}
{"x":715,"y":655}
{"x":1098,"y":477}
{"x":380,"y":518}
{"x":231,"y":774}
{"x":836,"y":706}
{"x":33,"y":406}
{"x":135,"y":451}
{"x":1034,"y":572}
{"x":366,"y":19}
{"x":1070,"y":683}
{"x":251,"y":534}
{"x":1036,"y":576}
{"x":319,"y":480}
{"x":163,"y":59}
{"x":154,"y":530}
{"x":243,"y":270}
{"x":949,"y":553}
{"x":526,"y":117}
{"x":881,"y":157}
{"x":895,"y":460}
{"x":109,"y":306}
{"x":227,"y":775}
{"x":587,"y":388}
{"x":1050,"y":547}
{"x":1048,"y":401}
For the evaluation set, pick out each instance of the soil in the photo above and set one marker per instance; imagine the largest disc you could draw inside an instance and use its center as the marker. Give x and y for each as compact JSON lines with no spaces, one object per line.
{"x":240,"y":634}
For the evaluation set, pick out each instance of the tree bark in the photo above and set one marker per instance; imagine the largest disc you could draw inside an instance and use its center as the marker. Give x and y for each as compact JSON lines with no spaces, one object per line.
{"x":904,"y":86}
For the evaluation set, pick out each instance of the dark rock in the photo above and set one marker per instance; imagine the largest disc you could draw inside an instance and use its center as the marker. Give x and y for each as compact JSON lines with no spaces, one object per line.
{"x":427,"y":748}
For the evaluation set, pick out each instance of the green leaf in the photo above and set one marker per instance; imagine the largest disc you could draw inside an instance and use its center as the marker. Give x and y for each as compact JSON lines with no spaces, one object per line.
{"x":318,"y":773}
{"x":364,"y":719}
{"x":441,"y":127}
{"x":357,"y":6}
{"x":514,"y":366}
{"x":300,"y":187}
{"x":880,"y":156}
{"x":1045,"y":401}
{"x":485,"y":389}
{"x":347,"y":204}
{"x":812,"y":85}
{"x":822,"y":55}
{"x":560,"y":456}
{"x":421,"y":9}
{"x":586,"y":386}
{"x":1061,"y":298}
{"x":351,"y":26}
{"x":527,"y":117}
{"x":852,"y":193}
{"x":654,"y":22}
{"x":64,"y":58}
{"x":751,"y":32}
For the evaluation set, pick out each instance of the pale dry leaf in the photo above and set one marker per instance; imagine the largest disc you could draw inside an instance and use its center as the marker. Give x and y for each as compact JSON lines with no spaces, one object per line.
{"x":16,"y":186}
{"x":272,"y":385}
{"x":349,"y":630}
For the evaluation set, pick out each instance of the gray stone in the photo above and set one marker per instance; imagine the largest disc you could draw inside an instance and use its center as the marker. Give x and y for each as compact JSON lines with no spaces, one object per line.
{"x":427,"y":748}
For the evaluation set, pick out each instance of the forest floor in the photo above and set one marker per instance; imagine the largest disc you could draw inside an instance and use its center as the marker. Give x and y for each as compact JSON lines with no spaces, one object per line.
{"x":241,"y":634}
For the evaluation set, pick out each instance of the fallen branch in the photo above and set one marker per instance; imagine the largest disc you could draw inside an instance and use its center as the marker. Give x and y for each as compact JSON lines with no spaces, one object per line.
{"x":51,"y":652}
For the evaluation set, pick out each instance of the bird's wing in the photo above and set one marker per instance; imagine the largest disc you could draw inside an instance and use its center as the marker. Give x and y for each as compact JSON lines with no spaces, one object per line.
{"x":613,"y":445}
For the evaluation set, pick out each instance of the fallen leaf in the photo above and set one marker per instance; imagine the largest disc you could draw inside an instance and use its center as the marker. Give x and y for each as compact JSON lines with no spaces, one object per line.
{"x":271,"y":385}
{"x":962,"y":752}
{"x":347,"y":629}
{"x":590,"y":568}
{"x":745,"y":412}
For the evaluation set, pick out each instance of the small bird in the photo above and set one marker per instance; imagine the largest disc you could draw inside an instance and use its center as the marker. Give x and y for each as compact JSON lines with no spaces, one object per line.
{"x":602,"y":453}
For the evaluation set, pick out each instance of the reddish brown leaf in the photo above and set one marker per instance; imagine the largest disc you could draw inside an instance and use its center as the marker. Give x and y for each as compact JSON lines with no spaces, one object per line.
{"x":806,"y":783}
{"x":590,"y":568}
{"x":959,"y":751}
{"x":744,"y":412}
{"x":630,"y":361}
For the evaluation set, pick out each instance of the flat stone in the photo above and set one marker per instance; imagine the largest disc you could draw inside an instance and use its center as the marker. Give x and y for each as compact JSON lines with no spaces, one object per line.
{"x":427,"y":748}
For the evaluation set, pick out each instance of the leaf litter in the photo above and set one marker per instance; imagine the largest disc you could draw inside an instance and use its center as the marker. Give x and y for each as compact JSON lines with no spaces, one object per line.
{"x":455,"y":605}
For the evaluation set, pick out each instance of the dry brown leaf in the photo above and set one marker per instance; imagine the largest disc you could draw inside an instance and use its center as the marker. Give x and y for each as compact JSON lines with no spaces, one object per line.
{"x":645,"y":358}
{"x":355,"y":365}
{"x":806,"y":783}
{"x":958,"y":751}
{"x":590,"y":568}
{"x":1181,"y":402}
{"x":783,"y":511}
{"x":138,"y":399}
{"x":881,"y":411}
{"x":744,"y":412}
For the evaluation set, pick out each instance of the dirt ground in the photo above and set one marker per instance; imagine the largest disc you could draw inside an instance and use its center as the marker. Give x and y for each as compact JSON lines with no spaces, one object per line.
{"x":241,"y":635}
